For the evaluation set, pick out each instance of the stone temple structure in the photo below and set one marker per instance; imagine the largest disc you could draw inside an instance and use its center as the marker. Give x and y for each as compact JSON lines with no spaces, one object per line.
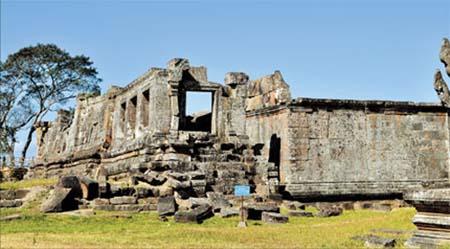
{"x":255,"y":134}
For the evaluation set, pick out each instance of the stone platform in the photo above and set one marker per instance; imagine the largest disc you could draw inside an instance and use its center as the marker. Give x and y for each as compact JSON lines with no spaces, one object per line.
{"x":432,"y":219}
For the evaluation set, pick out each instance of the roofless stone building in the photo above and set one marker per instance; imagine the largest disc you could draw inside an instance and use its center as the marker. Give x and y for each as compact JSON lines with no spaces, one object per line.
{"x":255,"y":134}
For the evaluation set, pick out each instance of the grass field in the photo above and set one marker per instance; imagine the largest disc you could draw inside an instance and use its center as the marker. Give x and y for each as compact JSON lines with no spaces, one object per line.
{"x":28,"y":183}
{"x":144,"y":230}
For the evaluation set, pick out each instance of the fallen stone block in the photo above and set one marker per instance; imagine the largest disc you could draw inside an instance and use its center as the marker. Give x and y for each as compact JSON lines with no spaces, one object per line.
{"x":132,"y":207}
{"x":11,"y":217}
{"x":229,"y":212}
{"x":166,"y":206}
{"x":119,"y":200}
{"x":217,"y":201}
{"x":196,"y":215}
{"x":300,"y":213}
{"x":7,"y":194}
{"x":61,"y":199}
{"x":274,"y":218}
{"x":329,"y":211}
{"x":11,"y":194}
{"x":101,"y":201}
{"x":373,"y":241}
{"x":178,"y":176}
{"x":89,"y":188}
{"x":195,"y":202}
{"x":71,"y":182}
{"x":81,"y":212}
{"x":125,"y":207}
{"x":254,"y":211}
{"x":10,"y":203}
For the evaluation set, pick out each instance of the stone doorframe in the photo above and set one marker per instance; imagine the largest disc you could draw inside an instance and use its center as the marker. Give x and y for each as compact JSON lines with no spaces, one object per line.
{"x":178,"y":101}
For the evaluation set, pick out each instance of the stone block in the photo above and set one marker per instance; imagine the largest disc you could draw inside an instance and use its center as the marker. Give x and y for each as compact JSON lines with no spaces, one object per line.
{"x":217,"y":201}
{"x":274,"y":218}
{"x":300,"y":213}
{"x":255,"y":210}
{"x":101,"y":201}
{"x":61,"y":199}
{"x":329,"y":211}
{"x":229,"y":212}
{"x":119,"y":200}
{"x":166,"y":206}
{"x":196,"y":215}
{"x":72,"y":182}
{"x":10,"y":203}
{"x":89,"y":188}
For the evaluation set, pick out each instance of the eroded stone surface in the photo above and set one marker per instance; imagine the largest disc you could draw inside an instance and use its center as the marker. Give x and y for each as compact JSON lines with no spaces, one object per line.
{"x":274,"y":218}
{"x":255,"y":134}
{"x":432,"y":219}
{"x":196,"y":215}
{"x":60,"y":199}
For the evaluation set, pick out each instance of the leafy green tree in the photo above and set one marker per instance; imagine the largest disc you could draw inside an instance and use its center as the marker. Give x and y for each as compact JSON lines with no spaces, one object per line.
{"x":50,"y":77}
{"x":14,"y":112}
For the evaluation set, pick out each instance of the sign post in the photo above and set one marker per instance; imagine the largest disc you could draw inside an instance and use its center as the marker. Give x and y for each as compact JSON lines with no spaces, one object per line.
{"x":241,"y":191}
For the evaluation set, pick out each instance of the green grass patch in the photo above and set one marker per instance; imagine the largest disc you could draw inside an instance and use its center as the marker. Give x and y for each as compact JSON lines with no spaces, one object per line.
{"x":144,"y":230}
{"x":28,"y":183}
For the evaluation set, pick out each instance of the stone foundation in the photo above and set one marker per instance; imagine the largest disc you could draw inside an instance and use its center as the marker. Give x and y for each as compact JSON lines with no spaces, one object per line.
{"x":432,"y":219}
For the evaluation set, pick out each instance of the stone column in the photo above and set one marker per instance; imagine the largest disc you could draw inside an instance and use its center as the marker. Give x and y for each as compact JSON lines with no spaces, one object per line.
{"x":237,"y":91}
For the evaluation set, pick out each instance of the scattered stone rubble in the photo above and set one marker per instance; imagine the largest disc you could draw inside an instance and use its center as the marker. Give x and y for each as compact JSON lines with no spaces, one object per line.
{"x":136,"y":149}
{"x":255,"y":133}
{"x":373,"y":241}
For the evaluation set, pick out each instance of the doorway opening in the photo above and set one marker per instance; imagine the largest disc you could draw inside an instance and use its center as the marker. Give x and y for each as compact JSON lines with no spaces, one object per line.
{"x":275,"y":152}
{"x":197,"y":111}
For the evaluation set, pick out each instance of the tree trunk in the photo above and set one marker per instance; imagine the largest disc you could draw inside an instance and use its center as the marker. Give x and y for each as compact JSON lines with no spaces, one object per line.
{"x":27,"y":144}
{"x":11,"y":152}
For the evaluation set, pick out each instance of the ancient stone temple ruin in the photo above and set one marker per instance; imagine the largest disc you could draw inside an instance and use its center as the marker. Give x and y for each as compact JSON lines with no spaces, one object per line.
{"x":255,"y":134}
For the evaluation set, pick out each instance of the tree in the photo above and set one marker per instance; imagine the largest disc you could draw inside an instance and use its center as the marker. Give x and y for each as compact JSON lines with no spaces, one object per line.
{"x":14,"y":111}
{"x":51,"y":77}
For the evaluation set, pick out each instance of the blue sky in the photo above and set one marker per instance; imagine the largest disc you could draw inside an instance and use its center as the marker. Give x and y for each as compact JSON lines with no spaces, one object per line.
{"x":328,"y":49}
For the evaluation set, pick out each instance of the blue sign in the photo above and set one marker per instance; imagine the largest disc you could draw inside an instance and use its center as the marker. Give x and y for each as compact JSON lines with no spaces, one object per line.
{"x":241,"y":190}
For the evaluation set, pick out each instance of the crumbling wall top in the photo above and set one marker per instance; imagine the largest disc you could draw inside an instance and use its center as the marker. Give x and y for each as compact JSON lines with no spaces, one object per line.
{"x":361,"y":104}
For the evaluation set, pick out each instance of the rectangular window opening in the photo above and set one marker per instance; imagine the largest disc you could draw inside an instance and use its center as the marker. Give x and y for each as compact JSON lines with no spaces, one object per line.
{"x":123,"y":111}
{"x":132,"y":114}
{"x":198,"y":114}
{"x":145,"y":108}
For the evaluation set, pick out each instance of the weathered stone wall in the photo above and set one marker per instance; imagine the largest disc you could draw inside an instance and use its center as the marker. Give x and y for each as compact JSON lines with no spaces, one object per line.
{"x":256,"y":134}
{"x":341,"y":147}
{"x":264,"y":126}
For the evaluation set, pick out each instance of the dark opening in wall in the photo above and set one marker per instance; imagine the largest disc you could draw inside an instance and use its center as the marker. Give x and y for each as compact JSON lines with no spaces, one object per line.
{"x":145,"y":108}
{"x":132,"y":114}
{"x":275,"y":151}
{"x":123,"y":111}
{"x":198,"y":111}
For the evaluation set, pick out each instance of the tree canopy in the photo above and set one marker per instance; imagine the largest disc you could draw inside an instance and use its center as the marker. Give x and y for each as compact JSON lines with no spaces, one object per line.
{"x":37,"y":80}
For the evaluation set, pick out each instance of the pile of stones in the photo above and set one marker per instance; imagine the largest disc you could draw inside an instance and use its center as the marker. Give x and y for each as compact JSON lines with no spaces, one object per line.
{"x":12,"y":198}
